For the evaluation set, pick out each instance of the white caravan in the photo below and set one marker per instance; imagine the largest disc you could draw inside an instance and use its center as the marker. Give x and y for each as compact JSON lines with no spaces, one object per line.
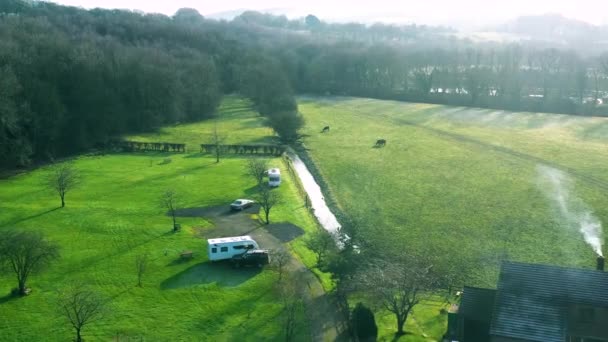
{"x":227,"y":247}
{"x":274,"y":177}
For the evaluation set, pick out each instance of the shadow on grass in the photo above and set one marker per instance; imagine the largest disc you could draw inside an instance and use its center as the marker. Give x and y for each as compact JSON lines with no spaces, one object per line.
{"x":9,"y":298}
{"x":398,"y":336}
{"x":10,"y":223}
{"x":207,"y":273}
{"x":285,"y":232}
{"x":252,"y":190}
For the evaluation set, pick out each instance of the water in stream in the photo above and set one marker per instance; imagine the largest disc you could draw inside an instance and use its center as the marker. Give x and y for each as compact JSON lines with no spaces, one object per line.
{"x":320,"y":209}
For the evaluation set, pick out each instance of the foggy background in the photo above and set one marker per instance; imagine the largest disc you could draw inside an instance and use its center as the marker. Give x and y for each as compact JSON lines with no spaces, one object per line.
{"x":461,"y":14}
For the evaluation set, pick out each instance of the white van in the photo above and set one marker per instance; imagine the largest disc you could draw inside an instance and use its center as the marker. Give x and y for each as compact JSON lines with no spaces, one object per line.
{"x":274,"y":177}
{"x":227,"y":247}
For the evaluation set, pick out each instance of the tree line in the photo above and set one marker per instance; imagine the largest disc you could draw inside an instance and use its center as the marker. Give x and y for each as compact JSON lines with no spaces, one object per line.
{"x":71,"y":79}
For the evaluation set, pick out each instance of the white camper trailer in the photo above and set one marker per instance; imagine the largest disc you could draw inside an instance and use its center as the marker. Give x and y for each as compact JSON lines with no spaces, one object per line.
{"x":227,"y":247}
{"x":274,"y":177}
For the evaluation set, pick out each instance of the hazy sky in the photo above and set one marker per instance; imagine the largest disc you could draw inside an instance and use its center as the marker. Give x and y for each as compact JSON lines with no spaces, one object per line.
{"x":420,"y":11}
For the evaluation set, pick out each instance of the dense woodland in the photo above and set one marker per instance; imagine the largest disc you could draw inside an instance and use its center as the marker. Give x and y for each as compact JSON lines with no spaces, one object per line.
{"x":72,"y":79}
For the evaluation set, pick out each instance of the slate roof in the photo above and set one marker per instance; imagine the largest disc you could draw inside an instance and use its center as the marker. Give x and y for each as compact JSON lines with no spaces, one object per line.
{"x":477,"y":304}
{"x":532,"y":300}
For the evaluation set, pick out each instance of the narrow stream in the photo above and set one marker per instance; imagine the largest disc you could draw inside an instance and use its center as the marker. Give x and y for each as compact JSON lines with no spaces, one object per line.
{"x":320,"y":209}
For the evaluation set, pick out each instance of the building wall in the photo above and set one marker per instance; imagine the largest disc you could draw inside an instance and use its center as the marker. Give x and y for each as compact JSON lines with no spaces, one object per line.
{"x":588,"y":321}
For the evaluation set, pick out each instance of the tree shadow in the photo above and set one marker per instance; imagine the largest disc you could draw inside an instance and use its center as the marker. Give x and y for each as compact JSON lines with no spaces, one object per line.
{"x":252,"y":190}
{"x":397,"y":336}
{"x":214,"y":211}
{"x":8,"y":298}
{"x":220,"y":273}
{"x":10,"y":223}
{"x":285,"y":231}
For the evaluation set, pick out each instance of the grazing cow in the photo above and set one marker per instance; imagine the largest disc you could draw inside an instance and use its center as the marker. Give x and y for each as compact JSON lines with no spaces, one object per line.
{"x":325,"y":129}
{"x":380,"y":142}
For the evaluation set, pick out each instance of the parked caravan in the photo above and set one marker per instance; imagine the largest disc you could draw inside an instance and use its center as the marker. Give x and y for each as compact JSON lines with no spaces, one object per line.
{"x":227,"y":247}
{"x":274,"y":177}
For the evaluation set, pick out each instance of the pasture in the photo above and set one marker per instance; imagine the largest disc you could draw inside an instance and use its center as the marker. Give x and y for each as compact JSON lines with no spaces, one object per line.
{"x":463,"y":183}
{"x":114,"y":215}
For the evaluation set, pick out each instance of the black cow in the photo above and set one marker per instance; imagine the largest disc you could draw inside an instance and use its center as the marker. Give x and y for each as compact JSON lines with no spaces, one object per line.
{"x":325,"y":129}
{"x":380,"y":142}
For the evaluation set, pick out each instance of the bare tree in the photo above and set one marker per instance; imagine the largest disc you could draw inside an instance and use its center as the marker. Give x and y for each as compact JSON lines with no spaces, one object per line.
{"x":399,"y":287}
{"x":62,"y":179}
{"x":550,"y":62}
{"x":141,"y":265}
{"x":267,"y":199}
{"x":280,"y":259}
{"x":321,"y":243}
{"x":603,"y":62}
{"x":26,"y":253}
{"x":168,"y":200}
{"x":81,"y":307}
{"x":217,"y":140}
{"x":257,"y":169}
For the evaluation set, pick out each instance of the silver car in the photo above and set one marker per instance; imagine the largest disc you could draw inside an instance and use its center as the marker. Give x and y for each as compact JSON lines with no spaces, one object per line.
{"x":241,"y":204}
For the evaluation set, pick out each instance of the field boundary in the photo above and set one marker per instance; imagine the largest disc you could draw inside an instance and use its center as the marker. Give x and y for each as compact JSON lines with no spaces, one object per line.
{"x":299,"y":185}
{"x":331,"y":202}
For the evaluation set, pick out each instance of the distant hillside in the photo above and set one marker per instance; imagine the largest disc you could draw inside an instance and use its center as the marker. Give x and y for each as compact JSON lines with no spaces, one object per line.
{"x":557,"y":29}
{"x":226,"y":15}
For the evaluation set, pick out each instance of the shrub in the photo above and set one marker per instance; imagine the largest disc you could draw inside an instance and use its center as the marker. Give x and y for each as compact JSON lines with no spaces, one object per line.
{"x":364,"y":323}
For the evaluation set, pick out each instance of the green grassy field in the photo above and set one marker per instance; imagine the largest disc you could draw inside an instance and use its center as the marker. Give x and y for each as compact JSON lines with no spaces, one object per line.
{"x":114,"y":215}
{"x":462,"y":182}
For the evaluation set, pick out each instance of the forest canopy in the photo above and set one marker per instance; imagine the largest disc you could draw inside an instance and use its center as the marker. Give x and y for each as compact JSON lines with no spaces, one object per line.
{"x":71,"y":79}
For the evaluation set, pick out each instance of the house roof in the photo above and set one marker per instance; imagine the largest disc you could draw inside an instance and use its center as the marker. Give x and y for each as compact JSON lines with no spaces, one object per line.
{"x":477,"y":304}
{"x":532,"y":300}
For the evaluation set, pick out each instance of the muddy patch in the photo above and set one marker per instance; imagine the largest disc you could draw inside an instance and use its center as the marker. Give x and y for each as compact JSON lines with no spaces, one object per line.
{"x":285,"y":232}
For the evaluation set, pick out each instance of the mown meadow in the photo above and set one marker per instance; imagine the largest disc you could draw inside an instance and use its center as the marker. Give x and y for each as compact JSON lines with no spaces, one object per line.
{"x":113,"y":215}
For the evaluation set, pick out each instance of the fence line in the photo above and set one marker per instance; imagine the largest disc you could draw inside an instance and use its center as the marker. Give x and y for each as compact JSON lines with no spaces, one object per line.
{"x":134,"y":146}
{"x":275,"y":150}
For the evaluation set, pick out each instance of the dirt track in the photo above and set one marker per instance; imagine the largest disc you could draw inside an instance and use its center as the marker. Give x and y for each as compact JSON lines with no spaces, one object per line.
{"x":319,"y":307}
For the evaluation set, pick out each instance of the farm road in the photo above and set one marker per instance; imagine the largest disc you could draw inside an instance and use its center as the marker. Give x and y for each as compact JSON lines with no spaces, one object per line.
{"x":319,"y":307}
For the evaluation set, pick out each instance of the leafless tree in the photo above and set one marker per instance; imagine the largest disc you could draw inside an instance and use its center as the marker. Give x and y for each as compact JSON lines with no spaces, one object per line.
{"x":217,"y":140}
{"x":280,"y":259}
{"x":169,"y":201}
{"x":141,"y":265}
{"x":81,"y":307}
{"x":399,"y":286}
{"x":26,"y":253}
{"x":267,"y":199}
{"x":63,"y":178}
{"x":321,"y":243}
{"x":603,"y":62}
{"x":257,"y":168}
{"x":550,"y":63}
